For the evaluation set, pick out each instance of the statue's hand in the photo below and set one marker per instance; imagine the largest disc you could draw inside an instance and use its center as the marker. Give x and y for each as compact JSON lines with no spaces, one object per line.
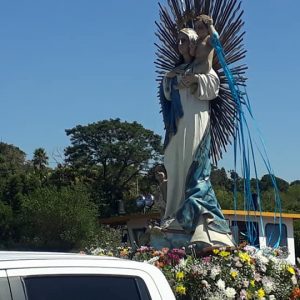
{"x":188,"y":80}
{"x":208,"y":20}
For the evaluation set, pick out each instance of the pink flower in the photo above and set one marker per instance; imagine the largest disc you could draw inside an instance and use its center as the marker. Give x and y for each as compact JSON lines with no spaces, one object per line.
{"x":243,"y":294}
{"x":257,"y":277}
{"x":206,"y":259}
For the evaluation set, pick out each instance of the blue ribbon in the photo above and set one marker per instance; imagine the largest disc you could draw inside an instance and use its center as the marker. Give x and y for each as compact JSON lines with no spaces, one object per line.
{"x":243,"y":141}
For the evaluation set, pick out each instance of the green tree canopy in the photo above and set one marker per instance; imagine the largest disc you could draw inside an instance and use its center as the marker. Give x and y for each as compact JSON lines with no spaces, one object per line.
{"x":12,"y":159}
{"x":119,"y":150}
{"x":295,"y":182}
{"x":40,"y":159}
{"x":266,"y":183}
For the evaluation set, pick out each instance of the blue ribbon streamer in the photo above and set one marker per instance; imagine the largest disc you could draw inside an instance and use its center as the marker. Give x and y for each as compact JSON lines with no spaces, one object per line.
{"x":243,"y":140}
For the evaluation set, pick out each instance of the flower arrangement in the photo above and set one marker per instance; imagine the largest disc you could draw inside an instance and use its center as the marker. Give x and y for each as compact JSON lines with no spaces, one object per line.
{"x":241,"y":273}
{"x":121,"y":252}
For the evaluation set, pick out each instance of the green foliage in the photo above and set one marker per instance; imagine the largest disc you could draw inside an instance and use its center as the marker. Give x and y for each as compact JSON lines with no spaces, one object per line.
{"x":40,"y":163}
{"x":17,"y":185}
{"x":266,"y":183}
{"x":6,"y":223}
{"x":58,"y":219}
{"x":64,"y":176}
{"x":296,"y":182}
{"x":291,"y":199}
{"x":14,"y":189}
{"x":12,"y":159}
{"x":118,"y":151}
{"x":224,"y":197}
{"x":106,"y":237}
{"x":109,"y":142}
{"x":219,"y":177}
{"x":40,"y":159}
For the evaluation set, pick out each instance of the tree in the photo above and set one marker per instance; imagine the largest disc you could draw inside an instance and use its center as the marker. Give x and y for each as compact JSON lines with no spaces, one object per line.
{"x":12,"y":159}
{"x":14,"y":191}
{"x":296,"y":182}
{"x":40,"y":159}
{"x":6,"y":223}
{"x":117,"y":151}
{"x":266,"y":183}
{"x":16,"y":186}
{"x":219,"y":177}
{"x":291,"y":199}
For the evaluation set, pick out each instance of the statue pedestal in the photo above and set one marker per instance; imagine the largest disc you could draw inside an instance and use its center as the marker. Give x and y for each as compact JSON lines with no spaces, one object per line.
{"x":173,"y":236}
{"x":168,"y":238}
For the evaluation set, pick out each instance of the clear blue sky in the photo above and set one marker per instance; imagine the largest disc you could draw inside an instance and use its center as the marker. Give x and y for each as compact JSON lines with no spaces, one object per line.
{"x":70,"y":62}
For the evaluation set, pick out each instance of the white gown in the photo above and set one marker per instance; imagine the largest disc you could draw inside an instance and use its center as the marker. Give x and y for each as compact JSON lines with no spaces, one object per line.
{"x":180,"y":151}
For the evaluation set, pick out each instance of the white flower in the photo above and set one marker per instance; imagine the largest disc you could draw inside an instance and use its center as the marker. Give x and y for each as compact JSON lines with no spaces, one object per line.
{"x":214,"y":272}
{"x":199,"y":270}
{"x":261,"y":260}
{"x":205,"y":283}
{"x":221,"y":284}
{"x":152,"y":260}
{"x":250,"y":249}
{"x":238,"y":264}
{"x":182,"y":263}
{"x":215,"y":297}
{"x":268,"y":284}
{"x":273,"y":259}
{"x":97,"y":251}
{"x":294,"y":280}
{"x":264,"y":260}
{"x":245,"y":283}
{"x":272,"y":297}
{"x":230,"y":292}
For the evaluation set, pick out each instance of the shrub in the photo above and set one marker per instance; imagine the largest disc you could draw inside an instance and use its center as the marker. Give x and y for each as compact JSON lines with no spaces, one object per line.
{"x":57,"y":219}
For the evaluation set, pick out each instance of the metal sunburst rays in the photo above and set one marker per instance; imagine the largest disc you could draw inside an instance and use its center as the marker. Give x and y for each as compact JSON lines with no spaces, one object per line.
{"x":227,"y":16}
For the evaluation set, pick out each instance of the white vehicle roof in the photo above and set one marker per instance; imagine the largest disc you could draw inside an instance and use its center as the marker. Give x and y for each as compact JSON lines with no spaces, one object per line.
{"x":20,"y":259}
{"x":24,"y":255}
{"x":39,"y":263}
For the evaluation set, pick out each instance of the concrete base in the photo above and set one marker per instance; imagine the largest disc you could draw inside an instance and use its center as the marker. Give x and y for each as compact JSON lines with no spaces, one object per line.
{"x":174,"y":236}
{"x":169,"y":238}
